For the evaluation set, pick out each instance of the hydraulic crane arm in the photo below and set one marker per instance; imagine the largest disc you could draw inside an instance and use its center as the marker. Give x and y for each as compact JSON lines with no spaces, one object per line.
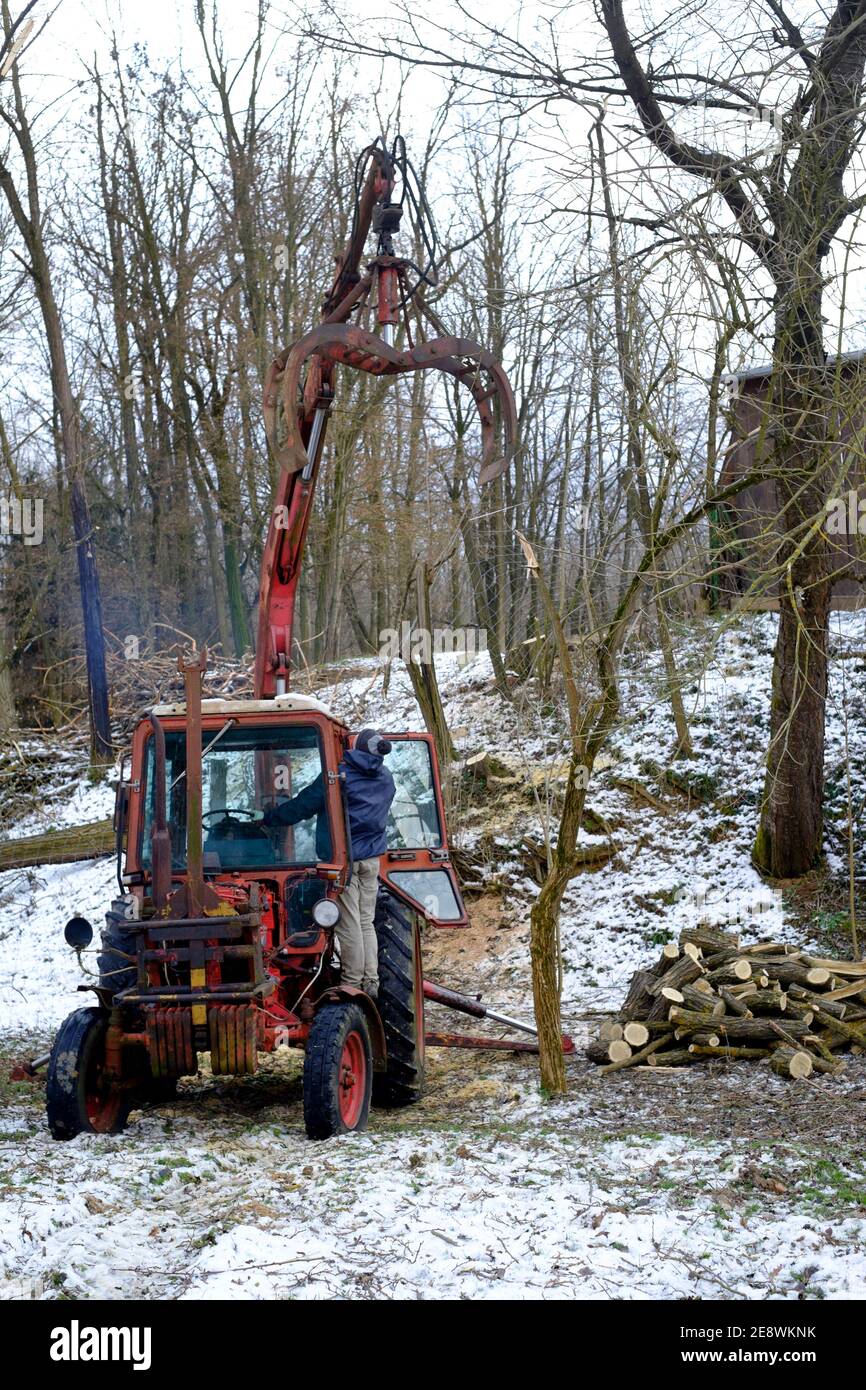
{"x":302,"y":409}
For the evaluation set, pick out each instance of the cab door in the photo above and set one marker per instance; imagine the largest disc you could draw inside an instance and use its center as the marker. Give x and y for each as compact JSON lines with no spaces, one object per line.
{"x":417,"y":864}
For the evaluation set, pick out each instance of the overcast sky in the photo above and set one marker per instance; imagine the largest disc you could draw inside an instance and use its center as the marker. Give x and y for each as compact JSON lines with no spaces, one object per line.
{"x":166,"y":28}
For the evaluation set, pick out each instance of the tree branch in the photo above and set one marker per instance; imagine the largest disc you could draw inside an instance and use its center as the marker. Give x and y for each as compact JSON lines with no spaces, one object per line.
{"x":705,"y":164}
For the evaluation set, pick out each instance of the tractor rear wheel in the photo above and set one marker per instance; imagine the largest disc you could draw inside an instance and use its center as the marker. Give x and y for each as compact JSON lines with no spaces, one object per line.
{"x":400,"y":1003}
{"x":116,"y":970}
{"x":78,"y":1097}
{"x":338,"y":1072}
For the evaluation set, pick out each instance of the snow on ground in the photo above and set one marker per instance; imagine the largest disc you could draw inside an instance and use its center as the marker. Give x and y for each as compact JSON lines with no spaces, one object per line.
{"x":73,"y":799}
{"x":482,"y":1191}
{"x":40,"y":975}
{"x":719,"y":1182}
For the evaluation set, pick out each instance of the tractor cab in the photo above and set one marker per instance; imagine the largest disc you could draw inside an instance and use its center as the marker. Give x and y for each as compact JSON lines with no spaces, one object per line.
{"x":257,"y":754}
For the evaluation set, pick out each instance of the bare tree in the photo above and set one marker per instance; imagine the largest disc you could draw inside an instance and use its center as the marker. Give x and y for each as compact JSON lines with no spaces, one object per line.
{"x":788,"y":211}
{"x":29,"y":218}
{"x":783,"y":206}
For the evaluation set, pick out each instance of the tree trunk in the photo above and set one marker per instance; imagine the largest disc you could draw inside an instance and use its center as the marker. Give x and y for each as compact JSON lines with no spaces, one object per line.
{"x":544,"y":935}
{"x":423,"y":675}
{"x":788,"y":841}
{"x":30,"y":224}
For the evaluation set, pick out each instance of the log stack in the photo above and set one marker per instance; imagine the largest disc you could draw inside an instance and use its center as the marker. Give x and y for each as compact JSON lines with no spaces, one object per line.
{"x":709,"y":997}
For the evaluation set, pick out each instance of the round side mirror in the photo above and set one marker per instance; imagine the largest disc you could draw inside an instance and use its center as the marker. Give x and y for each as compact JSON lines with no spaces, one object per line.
{"x":78,"y":933}
{"x":326,"y":913}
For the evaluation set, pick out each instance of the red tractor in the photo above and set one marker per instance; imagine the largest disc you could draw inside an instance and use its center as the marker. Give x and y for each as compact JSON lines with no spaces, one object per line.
{"x":222,"y":938}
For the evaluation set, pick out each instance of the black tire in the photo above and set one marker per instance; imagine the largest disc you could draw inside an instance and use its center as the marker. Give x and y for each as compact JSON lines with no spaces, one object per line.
{"x":115,"y":971}
{"x":75,"y":1100}
{"x":401,"y":1004}
{"x":335,"y":1028}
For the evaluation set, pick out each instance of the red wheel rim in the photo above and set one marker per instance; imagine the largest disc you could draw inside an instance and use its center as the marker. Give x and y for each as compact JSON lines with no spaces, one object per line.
{"x":352,"y":1083}
{"x":101,"y":1103}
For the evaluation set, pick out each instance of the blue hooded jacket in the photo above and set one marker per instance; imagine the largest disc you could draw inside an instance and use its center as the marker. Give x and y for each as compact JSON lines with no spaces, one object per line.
{"x":369,"y":792}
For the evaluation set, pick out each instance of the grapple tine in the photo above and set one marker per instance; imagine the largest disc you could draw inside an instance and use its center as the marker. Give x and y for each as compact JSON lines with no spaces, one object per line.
{"x":350,"y":346}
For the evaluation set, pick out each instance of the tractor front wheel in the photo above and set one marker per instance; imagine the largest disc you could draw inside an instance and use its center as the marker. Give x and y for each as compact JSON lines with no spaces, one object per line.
{"x":79,"y":1098}
{"x":338,"y":1072}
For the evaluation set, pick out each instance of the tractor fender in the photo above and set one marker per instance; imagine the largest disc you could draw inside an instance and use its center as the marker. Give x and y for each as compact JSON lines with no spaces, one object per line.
{"x":350,"y":994}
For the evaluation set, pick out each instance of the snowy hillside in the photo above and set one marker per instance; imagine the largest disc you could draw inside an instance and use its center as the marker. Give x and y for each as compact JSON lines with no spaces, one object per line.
{"x":711,"y":1183}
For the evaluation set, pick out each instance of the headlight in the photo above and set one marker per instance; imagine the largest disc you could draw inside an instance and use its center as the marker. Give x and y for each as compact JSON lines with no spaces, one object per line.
{"x":78,"y":933}
{"x":326,"y":913}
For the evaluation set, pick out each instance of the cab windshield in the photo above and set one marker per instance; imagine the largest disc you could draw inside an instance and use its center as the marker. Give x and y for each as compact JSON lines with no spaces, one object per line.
{"x":245,"y":770}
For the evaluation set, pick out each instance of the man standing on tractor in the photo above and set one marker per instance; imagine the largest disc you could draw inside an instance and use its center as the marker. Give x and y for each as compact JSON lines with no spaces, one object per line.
{"x":369,"y":789}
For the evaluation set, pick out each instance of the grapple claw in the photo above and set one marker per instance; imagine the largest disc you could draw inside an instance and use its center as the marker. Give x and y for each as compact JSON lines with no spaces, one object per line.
{"x":348,"y":345}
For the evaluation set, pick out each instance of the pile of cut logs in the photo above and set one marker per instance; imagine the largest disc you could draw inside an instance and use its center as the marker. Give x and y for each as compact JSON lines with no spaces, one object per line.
{"x":709,"y":997}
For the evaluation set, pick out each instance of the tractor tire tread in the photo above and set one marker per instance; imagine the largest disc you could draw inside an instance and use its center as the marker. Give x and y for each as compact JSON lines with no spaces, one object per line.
{"x":321,"y":1068}
{"x":403,"y":1081}
{"x":62,"y":1090}
{"x":114,"y":975}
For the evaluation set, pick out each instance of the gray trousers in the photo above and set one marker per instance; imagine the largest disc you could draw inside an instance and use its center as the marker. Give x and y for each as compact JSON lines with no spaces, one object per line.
{"x":359,"y":947}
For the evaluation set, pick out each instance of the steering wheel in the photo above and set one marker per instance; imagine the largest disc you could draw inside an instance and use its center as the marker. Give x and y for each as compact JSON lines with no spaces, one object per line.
{"x":229,"y":811}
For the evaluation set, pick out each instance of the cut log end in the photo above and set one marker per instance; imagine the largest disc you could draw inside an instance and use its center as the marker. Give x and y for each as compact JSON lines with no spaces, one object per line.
{"x":817,"y":976}
{"x":636,"y":1034}
{"x":709,"y":997}
{"x":785,"y":1061}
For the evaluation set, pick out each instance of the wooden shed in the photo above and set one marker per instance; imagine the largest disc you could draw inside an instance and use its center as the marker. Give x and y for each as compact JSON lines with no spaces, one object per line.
{"x":745,"y":533}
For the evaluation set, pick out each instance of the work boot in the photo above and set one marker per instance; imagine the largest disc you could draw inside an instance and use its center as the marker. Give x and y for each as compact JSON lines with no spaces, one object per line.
{"x":372,"y":990}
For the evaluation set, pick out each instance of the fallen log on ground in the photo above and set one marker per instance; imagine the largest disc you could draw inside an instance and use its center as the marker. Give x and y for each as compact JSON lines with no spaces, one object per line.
{"x":92,"y":841}
{"x":788,"y":1062}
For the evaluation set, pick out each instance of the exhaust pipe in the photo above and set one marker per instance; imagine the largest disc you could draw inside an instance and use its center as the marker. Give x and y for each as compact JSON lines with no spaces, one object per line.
{"x":160,"y":841}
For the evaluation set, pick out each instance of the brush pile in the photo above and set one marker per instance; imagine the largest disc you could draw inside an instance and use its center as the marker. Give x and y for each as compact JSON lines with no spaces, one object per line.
{"x":137,"y":685}
{"x":709,"y":997}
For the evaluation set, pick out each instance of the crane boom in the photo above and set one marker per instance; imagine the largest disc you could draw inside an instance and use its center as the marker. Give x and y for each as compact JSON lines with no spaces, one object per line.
{"x":302,"y":410}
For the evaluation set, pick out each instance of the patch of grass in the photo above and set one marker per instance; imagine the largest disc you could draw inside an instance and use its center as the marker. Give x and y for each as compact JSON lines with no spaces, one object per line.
{"x":160,"y":1176}
{"x":829,"y":923}
{"x":832,"y":1186}
{"x":722,"y":830}
{"x":30,"y":1093}
{"x":660,"y":936}
{"x":208,"y":1238}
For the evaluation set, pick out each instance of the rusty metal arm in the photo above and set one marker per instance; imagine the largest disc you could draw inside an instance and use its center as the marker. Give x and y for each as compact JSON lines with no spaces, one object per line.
{"x":283,"y":553}
{"x":378,"y":187}
{"x":463,"y":1004}
{"x":472,"y":365}
{"x":303,"y":412}
{"x":160,"y":841}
